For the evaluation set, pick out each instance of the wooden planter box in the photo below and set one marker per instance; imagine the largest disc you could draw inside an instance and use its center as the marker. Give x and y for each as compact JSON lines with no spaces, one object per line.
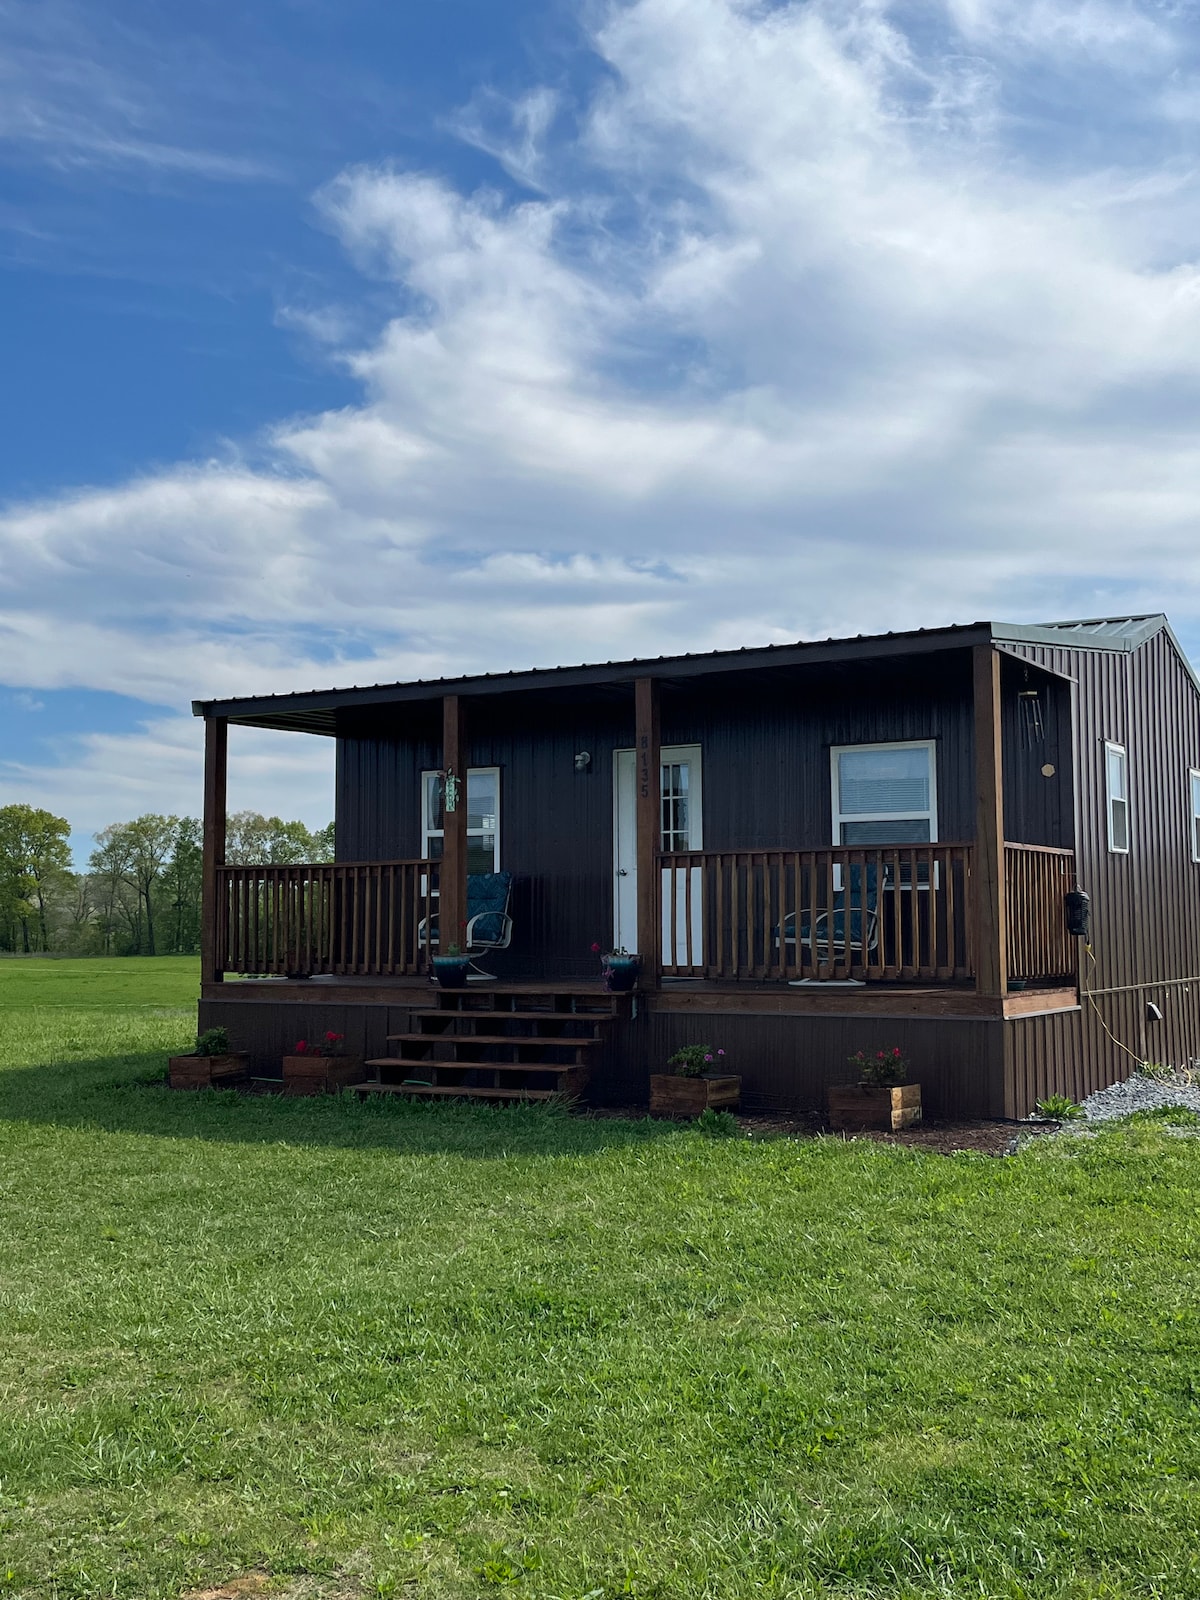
{"x":320,"y":1074}
{"x":207,"y":1072}
{"x":855,"y":1106}
{"x":673,"y":1096}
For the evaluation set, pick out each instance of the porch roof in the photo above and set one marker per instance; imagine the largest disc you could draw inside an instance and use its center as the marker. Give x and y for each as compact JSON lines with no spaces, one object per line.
{"x":315,"y":710}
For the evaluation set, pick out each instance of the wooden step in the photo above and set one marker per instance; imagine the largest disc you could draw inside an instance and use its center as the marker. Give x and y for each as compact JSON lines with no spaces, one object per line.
{"x":395,"y":1064}
{"x":447,"y":1091}
{"x":559,"y":1041}
{"x":562,"y":1002}
{"x":516,"y":1016}
{"x":419,"y":1031}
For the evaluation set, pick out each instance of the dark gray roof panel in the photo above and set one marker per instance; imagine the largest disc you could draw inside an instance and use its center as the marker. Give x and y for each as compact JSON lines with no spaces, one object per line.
{"x":1093,"y":633}
{"x":314,"y":710}
{"x":269,"y":710}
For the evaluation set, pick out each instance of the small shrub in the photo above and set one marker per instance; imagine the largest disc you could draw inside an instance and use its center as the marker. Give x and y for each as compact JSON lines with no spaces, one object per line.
{"x":1175,"y":1116}
{"x":885,"y":1069}
{"x":694,"y":1060}
{"x":1057,"y":1108}
{"x":717,"y":1124}
{"x":333,"y":1044}
{"x":213,"y":1042}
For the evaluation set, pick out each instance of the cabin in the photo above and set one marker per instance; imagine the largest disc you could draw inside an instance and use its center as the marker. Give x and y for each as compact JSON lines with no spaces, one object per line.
{"x":813,"y":848}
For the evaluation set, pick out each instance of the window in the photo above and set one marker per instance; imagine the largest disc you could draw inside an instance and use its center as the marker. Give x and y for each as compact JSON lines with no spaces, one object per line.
{"x":483,"y":817}
{"x":885,"y":793}
{"x":1194,"y":790}
{"x":676,"y":824}
{"x":1116,"y":777}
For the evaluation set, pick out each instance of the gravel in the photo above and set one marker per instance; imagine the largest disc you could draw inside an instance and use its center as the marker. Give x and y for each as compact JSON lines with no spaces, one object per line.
{"x":1141,"y":1093}
{"x":1137,"y":1093}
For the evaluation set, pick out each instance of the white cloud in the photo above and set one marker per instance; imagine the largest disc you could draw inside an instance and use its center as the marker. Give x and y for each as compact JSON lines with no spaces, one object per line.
{"x":76,"y":96}
{"x":805,"y":333}
{"x":102,"y":778}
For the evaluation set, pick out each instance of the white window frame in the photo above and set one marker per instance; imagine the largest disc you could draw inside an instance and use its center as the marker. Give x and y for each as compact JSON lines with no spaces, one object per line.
{"x":1111,"y":747}
{"x":428,"y":833}
{"x":839,"y":816}
{"x":1194,"y":810}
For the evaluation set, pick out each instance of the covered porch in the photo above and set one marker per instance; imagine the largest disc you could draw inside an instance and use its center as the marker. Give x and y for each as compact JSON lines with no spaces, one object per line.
{"x":983,"y":916}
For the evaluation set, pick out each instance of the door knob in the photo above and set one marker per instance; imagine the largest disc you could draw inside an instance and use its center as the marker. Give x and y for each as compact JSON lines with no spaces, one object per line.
{"x":622,"y":873}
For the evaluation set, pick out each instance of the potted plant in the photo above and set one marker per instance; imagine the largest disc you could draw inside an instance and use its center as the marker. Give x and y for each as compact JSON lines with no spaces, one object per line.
{"x":320,"y":1066}
{"x":450,"y":970}
{"x":882,"y":1097}
{"x":211,"y":1065}
{"x":698,"y":1080}
{"x":618,"y":968}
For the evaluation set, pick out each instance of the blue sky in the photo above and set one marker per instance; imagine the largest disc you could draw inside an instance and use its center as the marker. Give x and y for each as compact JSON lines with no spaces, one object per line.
{"x":360,"y":341}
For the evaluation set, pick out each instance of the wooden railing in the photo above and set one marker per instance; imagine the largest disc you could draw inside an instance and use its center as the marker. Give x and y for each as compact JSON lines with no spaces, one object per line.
{"x":899,"y":912}
{"x":1036,"y":880}
{"x":360,"y":917}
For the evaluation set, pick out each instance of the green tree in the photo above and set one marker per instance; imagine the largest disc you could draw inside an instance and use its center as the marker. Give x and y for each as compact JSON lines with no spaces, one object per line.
{"x":134,"y":854}
{"x":35,"y":866}
{"x":181,"y":886}
{"x":110,"y":867}
{"x":253,"y":839}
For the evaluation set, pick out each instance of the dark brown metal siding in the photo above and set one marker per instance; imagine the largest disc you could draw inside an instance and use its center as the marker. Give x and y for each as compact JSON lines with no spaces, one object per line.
{"x":1035,"y":718}
{"x":786,"y":1063}
{"x":555,"y":822}
{"x":767,"y":781}
{"x":1145,"y":905}
{"x":765,"y":752}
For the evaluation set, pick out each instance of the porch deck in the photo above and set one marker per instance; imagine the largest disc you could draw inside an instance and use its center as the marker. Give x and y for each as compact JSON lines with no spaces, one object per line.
{"x":705,"y":996}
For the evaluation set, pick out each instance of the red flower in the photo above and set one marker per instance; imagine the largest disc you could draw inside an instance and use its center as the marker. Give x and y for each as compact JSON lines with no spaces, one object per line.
{"x":334,"y":1037}
{"x":301,"y":1046}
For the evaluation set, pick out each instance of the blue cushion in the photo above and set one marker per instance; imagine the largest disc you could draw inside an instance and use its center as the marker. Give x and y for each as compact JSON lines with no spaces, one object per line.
{"x":487,"y":899}
{"x":832,"y":919}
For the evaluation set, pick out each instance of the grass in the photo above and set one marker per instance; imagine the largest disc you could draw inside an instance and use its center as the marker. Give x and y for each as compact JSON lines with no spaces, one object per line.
{"x":449,"y":1351}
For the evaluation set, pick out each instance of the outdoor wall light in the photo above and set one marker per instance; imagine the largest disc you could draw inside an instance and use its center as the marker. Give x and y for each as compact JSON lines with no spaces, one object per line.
{"x":583,"y":760}
{"x":1153,"y":1014}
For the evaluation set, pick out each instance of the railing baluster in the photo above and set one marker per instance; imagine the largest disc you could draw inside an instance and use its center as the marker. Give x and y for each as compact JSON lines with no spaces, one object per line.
{"x":728,"y":915}
{"x":1036,"y":880}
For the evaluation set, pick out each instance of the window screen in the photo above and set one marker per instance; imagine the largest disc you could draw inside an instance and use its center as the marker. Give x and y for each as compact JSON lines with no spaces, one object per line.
{"x":884,"y":794}
{"x":483,"y":817}
{"x":1116,"y":768}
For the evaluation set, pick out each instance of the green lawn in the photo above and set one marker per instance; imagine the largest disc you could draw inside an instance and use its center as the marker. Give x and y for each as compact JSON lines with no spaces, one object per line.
{"x":438,"y":1351}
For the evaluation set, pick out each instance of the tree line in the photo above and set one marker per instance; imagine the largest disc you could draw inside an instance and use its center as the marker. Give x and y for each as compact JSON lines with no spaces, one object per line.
{"x":140,"y":893}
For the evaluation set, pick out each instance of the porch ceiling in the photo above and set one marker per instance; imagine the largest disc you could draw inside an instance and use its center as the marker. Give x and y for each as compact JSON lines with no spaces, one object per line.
{"x":325,"y":711}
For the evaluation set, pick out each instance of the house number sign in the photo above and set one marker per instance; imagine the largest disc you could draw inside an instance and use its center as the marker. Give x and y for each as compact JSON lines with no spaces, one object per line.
{"x":644,"y":766}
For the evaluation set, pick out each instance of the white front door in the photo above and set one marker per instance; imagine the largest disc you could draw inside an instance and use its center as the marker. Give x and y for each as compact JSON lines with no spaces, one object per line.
{"x":681,"y":811}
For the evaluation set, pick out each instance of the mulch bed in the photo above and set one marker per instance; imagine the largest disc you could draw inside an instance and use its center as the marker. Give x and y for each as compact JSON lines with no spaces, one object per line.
{"x":941,"y":1138}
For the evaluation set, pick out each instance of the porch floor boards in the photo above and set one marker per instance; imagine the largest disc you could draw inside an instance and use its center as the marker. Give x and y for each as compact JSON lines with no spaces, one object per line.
{"x":703,"y":995}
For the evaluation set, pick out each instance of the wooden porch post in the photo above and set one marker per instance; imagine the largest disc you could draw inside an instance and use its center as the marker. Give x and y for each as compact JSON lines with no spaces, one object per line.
{"x":990,"y":917}
{"x":648,"y":769}
{"x":216,"y":747}
{"x":452,"y":880}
